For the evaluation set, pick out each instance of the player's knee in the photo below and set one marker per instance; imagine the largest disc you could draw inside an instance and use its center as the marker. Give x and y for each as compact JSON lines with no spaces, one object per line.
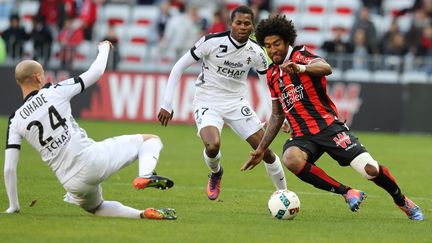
{"x":149,"y":136}
{"x":293,"y":160}
{"x":212,"y":149}
{"x":365,"y":165}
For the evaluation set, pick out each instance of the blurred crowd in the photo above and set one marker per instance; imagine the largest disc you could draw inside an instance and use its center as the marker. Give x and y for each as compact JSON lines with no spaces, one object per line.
{"x":67,"y":24}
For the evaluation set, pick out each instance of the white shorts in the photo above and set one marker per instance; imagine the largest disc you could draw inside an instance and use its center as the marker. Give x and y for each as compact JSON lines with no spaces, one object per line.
{"x":237,"y":114}
{"x":103,"y":159}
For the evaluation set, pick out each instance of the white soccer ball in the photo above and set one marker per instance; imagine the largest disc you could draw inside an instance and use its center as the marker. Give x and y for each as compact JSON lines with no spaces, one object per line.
{"x":284,"y":204}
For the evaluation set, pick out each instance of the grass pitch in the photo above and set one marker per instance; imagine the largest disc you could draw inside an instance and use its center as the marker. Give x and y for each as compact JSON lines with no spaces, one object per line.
{"x":240,"y":215}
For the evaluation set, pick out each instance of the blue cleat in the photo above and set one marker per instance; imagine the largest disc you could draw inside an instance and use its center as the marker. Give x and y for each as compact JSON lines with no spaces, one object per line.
{"x":412,"y":210}
{"x":354,"y":198}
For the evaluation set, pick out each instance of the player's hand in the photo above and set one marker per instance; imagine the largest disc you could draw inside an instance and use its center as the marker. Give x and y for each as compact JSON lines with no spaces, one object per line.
{"x":107,"y":42}
{"x":256,"y":157}
{"x":286,"y":127}
{"x":290,"y":67}
{"x":164,"y":116}
{"x":12,"y":210}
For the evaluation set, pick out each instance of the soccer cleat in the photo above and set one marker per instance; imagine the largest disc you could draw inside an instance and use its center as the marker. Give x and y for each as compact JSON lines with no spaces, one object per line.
{"x":162,"y":213}
{"x":213,"y":185}
{"x":412,"y":210}
{"x":156,"y":181}
{"x":354,"y":198}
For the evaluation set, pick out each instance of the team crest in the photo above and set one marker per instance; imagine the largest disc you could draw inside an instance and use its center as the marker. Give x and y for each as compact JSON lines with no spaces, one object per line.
{"x":342,"y":140}
{"x":246,"y":111}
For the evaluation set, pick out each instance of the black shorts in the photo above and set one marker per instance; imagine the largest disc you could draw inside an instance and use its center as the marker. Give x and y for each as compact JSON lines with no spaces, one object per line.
{"x":336,"y":140}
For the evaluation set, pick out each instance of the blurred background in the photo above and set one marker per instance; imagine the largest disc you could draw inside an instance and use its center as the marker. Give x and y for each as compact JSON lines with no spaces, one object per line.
{"x":380,"y":50}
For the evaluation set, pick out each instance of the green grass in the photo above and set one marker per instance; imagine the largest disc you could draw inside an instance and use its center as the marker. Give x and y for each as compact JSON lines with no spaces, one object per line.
{"x":240,"y":215}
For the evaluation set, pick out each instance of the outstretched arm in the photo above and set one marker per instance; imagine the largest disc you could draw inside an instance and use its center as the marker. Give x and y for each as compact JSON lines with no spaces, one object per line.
{"x":275,"y":123}
{"x":166,"y":111}
{"x":318,"y":67}
{"x":97,"y":69}
{"x":10,"y":179}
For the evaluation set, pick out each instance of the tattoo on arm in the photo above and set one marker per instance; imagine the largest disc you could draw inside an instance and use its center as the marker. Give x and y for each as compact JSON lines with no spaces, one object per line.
{"x":274,"y":124}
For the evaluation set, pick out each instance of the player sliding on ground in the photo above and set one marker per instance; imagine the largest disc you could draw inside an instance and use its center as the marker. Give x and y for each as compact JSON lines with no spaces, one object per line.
{"x":297,"y":83}
{"x":80,"y":164}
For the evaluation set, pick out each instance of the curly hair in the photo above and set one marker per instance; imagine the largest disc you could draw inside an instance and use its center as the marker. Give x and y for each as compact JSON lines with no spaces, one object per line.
{"x":276,"y":25}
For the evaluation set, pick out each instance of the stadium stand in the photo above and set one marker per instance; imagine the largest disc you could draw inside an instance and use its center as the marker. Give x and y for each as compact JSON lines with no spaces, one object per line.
{"x":314,"y":19}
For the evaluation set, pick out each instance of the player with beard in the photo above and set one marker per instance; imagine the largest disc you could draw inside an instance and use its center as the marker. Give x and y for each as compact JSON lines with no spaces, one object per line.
{"x":297,"y":83}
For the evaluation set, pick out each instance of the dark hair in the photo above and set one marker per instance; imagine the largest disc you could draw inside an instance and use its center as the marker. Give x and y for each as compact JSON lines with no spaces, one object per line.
{"x":242,"y":9}
{"x":276,"y":25}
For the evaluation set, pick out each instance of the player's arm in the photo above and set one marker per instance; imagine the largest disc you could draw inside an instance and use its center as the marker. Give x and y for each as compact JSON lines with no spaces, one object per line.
{"x":10,"y":179}
{"x":317,"y":67}
{"x":97,"y":69}
{"x":274,"y":125}
{"x":166,"y":111}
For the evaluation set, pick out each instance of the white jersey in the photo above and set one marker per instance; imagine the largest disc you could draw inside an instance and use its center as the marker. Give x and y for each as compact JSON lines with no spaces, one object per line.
{"x":45,"y":121}
{"x":226,"y":65}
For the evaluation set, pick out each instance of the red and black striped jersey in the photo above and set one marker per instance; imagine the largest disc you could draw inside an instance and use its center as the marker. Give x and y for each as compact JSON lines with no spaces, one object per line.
{"x":303,"y":97}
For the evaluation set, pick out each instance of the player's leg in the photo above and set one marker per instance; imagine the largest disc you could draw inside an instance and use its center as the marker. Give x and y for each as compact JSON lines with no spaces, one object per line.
{"x":272,"y":162}
{"x":299,"y":156}
{"x":245,"y":123}
{"x":89,"y":198}
{"x":148,"y":156}
{"x":366,"y":166}
{"x":210,"y":137}
{"x":209,"y":124}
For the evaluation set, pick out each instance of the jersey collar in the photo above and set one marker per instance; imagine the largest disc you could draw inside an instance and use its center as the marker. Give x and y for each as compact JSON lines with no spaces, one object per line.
{"x":34,"y":92}
{"x":288,"y":56}
{"x":31,"y":94}
{"x":235,"y":43}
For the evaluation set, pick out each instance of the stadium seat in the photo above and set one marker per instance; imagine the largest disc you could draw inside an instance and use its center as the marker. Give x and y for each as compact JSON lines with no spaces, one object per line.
{"x":315,"y":23}
{"x":27,"y":9}
{"x":345,"y":7}
{"x":385,"y":76}
{"x":232,"y":4}
{"x":340,"y":21}
{"x":311,"y":39}
{"x":287,"y":7}
{"x":336,"y":75}
{"x":414,"y":77}
{"x":138,"y":34}
{"x":4,"y":24}
{"x":144,"y":15}
{"x":85,"y":54}
{"x":132,"y":56}
{"x":391,"y":7}
{"x":357,"y":75}
{"x":116,"y":14}
{"x":316,"y":7}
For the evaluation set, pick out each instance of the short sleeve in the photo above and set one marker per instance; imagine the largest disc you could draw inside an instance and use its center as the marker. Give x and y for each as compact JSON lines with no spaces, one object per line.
{"x":200,"y":49}
{"x":270,"y":84}
{"x":13,"y":138}
{"x":261,"y":64}
{"x":69,"y":87}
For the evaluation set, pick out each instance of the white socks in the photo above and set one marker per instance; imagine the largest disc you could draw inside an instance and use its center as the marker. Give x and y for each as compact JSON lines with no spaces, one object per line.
{"x":148,"y":156}
{"x":116,"y":209}
{"x":213,"y":163}
{"x":276,"y":173}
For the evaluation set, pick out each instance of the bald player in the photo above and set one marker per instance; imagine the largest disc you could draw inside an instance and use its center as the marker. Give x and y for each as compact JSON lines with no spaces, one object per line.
{"x":79,"y":163}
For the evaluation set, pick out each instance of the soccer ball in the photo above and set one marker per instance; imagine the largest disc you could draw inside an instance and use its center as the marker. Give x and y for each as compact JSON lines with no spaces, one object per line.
{"x":284,"y":204}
